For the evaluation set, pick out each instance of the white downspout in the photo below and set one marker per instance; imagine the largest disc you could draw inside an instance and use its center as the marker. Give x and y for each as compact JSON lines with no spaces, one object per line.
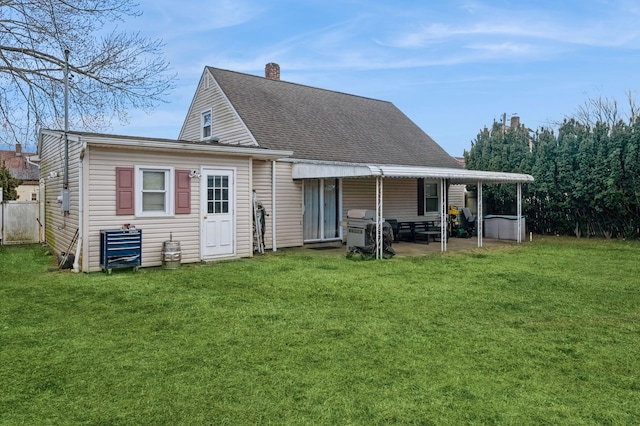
{"x":274,"y":246}
{"x":29,"y":161}
{"x":76,"y":262}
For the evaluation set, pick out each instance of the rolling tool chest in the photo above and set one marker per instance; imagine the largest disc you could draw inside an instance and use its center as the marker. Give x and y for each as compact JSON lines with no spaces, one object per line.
{"x":120,"y":248}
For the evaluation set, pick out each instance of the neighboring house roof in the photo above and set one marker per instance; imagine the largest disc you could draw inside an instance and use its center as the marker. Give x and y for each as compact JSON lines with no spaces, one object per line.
{"x":30,"y":174}
{"x":324,"y":125}
{"x":16,"y":163}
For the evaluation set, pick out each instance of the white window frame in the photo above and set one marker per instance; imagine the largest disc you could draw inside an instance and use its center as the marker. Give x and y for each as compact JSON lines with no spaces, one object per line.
{"x":202,"y":125}
{"x":169,"y":190}
{"x":427,"y":197}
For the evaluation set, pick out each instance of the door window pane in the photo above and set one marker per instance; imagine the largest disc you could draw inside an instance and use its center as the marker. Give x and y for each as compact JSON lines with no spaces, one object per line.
{"x":218,"y":194}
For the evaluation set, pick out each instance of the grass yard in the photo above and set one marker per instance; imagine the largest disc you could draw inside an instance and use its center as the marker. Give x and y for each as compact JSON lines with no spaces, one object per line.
{"x":542,"y":333}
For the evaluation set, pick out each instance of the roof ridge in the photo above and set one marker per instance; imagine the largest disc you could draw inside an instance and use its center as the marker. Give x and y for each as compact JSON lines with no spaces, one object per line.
{"x":301,"y":85}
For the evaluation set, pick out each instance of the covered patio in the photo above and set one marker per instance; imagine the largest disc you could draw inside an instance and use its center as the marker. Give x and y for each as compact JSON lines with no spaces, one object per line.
{"x":444,"y":176}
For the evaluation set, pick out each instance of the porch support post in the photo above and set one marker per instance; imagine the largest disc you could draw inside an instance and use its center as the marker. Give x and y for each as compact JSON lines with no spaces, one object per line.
{"x":479,"y":215}
{"x":444,"y":224}
{"x":519,"y":237}
{"x":379,"y":236}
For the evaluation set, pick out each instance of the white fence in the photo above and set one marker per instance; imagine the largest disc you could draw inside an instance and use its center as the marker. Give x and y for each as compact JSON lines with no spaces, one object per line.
{"x":19,"y":222}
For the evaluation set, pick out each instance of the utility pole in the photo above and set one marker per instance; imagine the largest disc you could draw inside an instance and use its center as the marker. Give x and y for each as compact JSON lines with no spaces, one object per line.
{"x":65,"y":197}
{"x":66,"y":119}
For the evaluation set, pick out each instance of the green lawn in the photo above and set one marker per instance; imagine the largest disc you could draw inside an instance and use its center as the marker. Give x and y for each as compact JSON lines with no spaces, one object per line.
{"x":542,"y":333}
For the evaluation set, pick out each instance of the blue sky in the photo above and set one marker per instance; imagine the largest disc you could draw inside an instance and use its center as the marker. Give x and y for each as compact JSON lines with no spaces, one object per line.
{"x":450,"y":66}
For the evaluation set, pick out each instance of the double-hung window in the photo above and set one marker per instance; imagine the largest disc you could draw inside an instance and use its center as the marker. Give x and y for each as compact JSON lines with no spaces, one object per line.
{"x":205,"y":121}
{"x":154,"y":191}
{"x":431,"y":198}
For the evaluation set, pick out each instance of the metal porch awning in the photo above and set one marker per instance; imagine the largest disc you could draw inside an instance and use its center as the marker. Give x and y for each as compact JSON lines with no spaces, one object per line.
{"x":446,"y":176}
{"x":317,"y":170}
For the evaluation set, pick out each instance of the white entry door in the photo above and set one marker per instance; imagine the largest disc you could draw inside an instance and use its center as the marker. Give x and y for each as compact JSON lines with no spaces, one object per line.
{"x":218,"y":212}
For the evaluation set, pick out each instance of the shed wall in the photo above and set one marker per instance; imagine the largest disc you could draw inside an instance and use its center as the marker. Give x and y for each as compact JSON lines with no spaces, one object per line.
{"x":185,"y":228}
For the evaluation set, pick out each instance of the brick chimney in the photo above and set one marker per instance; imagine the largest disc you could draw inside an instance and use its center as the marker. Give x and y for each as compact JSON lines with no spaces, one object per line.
{"x":272,"y":71}
{"x":18,"y":150}
{"x":515,"y":122}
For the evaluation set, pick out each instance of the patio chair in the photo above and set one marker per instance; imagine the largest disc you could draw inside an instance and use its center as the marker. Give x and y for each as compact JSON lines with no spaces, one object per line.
{"x":467,"y":222}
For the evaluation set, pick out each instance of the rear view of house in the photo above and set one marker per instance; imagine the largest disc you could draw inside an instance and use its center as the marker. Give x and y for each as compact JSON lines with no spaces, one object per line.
{"x":309,"y":154}
{"x":342,"y":145}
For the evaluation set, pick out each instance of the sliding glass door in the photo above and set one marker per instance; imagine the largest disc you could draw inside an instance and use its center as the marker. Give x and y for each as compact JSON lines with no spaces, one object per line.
{"x":321,"y":209}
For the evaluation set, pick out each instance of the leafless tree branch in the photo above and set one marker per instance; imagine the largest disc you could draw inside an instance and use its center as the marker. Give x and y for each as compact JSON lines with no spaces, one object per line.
{"x":112,"y":70}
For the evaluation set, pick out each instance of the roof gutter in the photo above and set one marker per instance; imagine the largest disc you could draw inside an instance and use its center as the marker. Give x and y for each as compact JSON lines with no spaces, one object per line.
{"x":167,"y":145}
{"x":259,"y":153}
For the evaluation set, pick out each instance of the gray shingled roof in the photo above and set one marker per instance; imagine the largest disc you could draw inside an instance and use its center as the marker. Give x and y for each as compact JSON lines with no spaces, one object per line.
{"x":318,"y":124}
{"x":30,"y":173}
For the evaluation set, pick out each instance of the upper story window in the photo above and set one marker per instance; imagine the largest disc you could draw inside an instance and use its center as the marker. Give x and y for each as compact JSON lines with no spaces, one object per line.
{"x":431,"y":198}
{"x":154,"y":191}
{"x":205,"y":120}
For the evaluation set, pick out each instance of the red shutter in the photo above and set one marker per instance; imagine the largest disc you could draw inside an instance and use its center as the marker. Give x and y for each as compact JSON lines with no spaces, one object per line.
{"x":183,"y":192}
{"x":124,"y":191}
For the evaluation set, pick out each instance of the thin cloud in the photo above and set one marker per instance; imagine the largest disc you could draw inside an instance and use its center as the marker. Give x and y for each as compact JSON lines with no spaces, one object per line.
{"x":191,"y":16}
{"x":599,"y":35}
{"x":594,"y":24}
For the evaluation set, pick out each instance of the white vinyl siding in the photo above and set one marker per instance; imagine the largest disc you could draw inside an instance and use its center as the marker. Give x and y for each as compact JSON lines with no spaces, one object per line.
{"x":226,"y":125}
{"x":457,"y":195}
{"x":100,"y":210}
{"x":59,"y":228}
{"x":400,"y":199}
{"x":289,"y":207}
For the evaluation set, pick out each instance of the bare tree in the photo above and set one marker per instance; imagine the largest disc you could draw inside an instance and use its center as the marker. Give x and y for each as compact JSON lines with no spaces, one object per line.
{"x":633,"y":106}
{"x":111,"y":70}
{"x":598,"y":110}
